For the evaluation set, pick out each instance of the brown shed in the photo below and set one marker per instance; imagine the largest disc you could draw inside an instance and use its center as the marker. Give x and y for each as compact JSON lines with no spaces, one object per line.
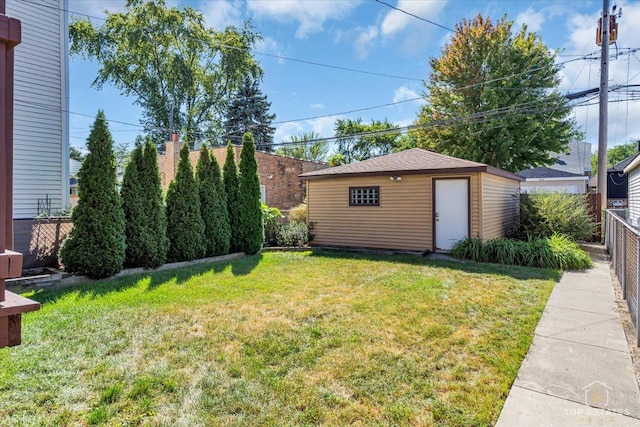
{"x":414,"y":200}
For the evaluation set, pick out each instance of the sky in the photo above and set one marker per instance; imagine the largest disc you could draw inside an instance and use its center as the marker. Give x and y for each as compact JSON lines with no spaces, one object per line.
{"x":372,"y":37}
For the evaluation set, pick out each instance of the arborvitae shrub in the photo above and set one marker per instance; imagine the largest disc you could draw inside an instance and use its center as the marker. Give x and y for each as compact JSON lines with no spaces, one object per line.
{"x":96,"y":244}
{"x":251,"y":227}
{"x":213,"y":204}
{"x":154,"y":207}
{"x":231,"y":182}
{"x":185,"y":228}
{"x":132,"y":194}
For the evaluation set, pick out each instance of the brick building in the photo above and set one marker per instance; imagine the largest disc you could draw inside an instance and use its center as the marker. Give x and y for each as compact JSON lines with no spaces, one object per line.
{"x":281,"y":187}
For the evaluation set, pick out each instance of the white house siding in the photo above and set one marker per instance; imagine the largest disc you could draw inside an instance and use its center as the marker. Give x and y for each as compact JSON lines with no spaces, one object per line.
{"x":41,"y":149}
{"x":633,"y":216}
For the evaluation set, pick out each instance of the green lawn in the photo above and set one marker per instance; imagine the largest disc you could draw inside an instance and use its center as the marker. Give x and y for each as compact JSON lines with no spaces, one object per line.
{"x":290,"y":338}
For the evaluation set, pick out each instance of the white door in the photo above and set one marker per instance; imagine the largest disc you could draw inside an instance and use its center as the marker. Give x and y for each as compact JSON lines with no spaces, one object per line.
{"x":451,"y":211}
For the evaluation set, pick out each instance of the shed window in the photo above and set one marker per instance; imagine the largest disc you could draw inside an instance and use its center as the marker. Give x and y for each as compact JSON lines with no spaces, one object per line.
{"x":364,"y":196}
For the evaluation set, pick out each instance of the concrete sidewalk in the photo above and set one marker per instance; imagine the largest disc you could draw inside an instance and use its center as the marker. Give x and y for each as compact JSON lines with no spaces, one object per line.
{"x":578,"y":370}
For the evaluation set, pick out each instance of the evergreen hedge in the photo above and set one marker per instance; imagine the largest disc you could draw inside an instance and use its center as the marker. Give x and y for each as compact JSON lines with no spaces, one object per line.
{"x":154,"y":207}
{"x":185,"y":228}
{"x":231,"y":183}
{"x":96,"y":244}
{"x":213,"y":204}
{"x":251,"y":227}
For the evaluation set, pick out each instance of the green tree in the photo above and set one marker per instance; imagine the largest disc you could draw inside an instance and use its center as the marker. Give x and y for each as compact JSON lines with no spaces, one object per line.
{"x":251,"y":227}
{"x":615,"y":155}
{"x":185,"y":228}
{"x":213,"y":204}
{"x":231,"y":183}
{"x":76,"y":154}
{"x":169,"y":62}
{"x":493,"y":98}
{"x":249,"y":112}
{"x":96,"y":244}
{"x":355,"y":147}
{"x":132,"y":194}
{"x":305,"y":146}
{"x":155,"y":212}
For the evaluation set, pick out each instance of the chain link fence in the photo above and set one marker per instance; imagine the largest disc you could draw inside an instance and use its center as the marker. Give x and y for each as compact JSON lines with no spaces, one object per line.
{"x":623,"y":244}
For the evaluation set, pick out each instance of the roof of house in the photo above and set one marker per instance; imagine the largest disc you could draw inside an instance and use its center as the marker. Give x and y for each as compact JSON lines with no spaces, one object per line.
{"x":413,"y":161}
{"x":544,"y":172}
{"x":622,"y":164}
{"x":577,"y":158}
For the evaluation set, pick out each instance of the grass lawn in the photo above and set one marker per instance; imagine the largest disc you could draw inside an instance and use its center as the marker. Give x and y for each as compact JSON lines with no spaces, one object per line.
{"x":291,"y":338}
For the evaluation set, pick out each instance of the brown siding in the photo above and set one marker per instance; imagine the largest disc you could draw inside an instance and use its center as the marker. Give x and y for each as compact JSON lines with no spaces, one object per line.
{"x":500,"y":204}
{"x":402,"y":221}
{"x":279,"y":174}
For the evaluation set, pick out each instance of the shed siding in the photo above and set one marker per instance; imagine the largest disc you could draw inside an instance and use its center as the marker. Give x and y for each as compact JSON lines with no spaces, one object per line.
{"x":634,"y":197}
{"x":40,"y":120}
{"x":500,"y":205}
{"x":403,"y":220}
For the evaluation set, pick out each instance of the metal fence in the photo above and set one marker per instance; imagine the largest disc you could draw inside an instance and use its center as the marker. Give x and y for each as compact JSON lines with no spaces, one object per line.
{"x":623,"y":244}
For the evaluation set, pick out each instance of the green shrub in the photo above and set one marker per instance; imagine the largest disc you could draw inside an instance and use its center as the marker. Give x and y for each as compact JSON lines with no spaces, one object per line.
{"x":230,"y":175}
{"x":292,"y":234}
{"x":544,"y":213}
{"x":154,"y":206}
{"x":271,"y":218}
{"x":557,"y":251}
{"x":213,"y":204}
{"x":185,"y":228}
{"x":251,"y":228}
{"x":298,"y":213}
{"x":96,"y":244}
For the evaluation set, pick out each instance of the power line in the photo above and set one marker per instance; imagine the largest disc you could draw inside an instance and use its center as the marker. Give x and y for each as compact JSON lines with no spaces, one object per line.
{"x":416,"y":16}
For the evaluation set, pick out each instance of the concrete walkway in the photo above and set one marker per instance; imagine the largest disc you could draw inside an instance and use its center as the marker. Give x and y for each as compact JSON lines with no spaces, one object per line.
{"x":578,"y":371}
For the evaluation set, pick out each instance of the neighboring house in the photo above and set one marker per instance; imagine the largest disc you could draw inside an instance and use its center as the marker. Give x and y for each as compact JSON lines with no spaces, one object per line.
{"x":74,"y":168}
{"x":633,"y":172}
{"x":41,"y":100}
{"x":413,"y":200}
{"x":617,"y":183}
{"x":280,"y":184}
{"x":547,"y":179}
{"x":576,"y":160}
{"x":40,"y":126}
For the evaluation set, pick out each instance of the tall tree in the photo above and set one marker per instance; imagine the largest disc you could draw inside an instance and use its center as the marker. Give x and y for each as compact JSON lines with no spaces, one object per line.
{"x":213,"y":204}
{"x":169,"y":61}
{"x":231,"y":182}
{"x":96,"y":244}
{"x":185,"y":228}
{"x":305,"y":146}
{"x":355,"y":147}
{"x":155,"y":212}
{"x":493,"y":98}
{"x":251,"y":226}
{"x":249,"y":112}
{"x":132,"y":194}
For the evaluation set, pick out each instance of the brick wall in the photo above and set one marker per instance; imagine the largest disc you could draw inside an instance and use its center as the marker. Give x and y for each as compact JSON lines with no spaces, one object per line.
{"x":279,"y":174}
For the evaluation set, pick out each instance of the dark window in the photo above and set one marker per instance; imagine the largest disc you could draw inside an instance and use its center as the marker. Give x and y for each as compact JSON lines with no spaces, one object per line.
{"x":364,"y":196}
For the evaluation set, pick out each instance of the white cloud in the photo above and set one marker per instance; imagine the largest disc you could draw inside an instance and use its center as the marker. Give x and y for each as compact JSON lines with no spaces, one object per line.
{"x":581,"y":74}
{"x":364,"y":42}
{"x":531,"y":18}
{"x":222,"y":13}
{"x":96,"y":8}
{"x":317,"y":106}
{"x":285,"y":131}
{"x":396,"y":21}
{"x":403,"y":93}
{"x":271,"y":46}
{"x":310,"y":15}
{"x":323,"y":126}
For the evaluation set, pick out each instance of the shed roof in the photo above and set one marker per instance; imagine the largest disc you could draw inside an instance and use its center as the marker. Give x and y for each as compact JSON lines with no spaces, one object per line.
{"x":543,"y":172}
{"x":413,"y":161}
{"x":622,"y":164}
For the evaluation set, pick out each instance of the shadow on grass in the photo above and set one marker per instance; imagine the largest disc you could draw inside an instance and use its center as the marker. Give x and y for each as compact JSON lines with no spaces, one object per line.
{"x":239,"y":267}
{"x":514,"y":271}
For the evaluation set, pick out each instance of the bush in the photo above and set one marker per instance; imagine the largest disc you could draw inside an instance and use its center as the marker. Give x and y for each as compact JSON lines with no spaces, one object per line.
{"x":271,"y":218}
{"x":96,"y":244}
{"x":543,"y":214}
{"x":251,"y":228}
{"x":292,"y":234}
{"x":557,"y":251}
{"x":185,"y":228}
{"x":230,"y":179}
{"x":298,"y":213}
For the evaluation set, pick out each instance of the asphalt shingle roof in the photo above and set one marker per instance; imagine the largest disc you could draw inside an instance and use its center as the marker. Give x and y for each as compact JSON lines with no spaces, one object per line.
{"x":543,"y":172}
{"x":619,"y":167}
{"x":415,"y":160}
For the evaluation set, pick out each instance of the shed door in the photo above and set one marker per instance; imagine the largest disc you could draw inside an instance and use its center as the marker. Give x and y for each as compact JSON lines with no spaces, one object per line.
{"x":450,"y":211}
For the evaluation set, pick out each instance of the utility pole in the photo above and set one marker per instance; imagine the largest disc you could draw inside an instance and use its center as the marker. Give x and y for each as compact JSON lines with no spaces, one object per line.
{"x":604,"y":99}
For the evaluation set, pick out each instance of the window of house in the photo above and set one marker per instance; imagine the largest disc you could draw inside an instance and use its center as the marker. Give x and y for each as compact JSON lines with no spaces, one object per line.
{"x":364,"y":196}
{"x":263,"y":193}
